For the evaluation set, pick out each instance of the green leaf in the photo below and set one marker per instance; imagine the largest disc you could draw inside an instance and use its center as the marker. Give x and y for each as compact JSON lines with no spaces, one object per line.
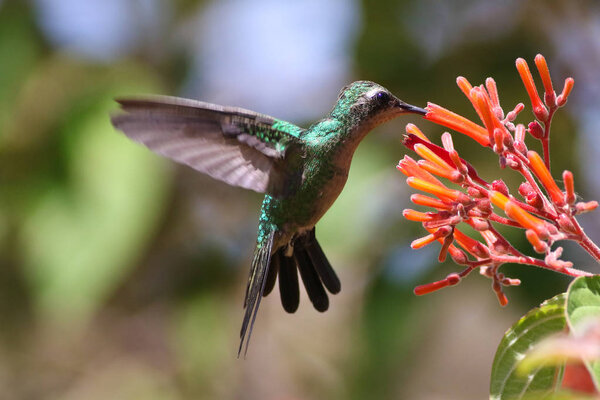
{"x":583,"y":305}
{"x":506,"y":382}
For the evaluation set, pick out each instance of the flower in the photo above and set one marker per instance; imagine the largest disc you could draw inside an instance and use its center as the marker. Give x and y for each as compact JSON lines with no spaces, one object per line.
{"x":546,"y":213}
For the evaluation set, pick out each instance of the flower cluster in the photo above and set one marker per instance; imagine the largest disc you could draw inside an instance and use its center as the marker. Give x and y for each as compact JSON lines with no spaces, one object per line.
{"x":541,"y":208}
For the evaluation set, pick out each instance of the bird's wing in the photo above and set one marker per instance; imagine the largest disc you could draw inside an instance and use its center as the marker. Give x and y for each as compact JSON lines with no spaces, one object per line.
{"x":236,"y":146}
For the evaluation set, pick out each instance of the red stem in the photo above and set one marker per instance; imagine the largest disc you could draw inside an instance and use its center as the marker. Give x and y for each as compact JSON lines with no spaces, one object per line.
{"x":585,"y":242}
{"x":505,"y":221}
{"x":574,"y":272}
{"x":546,"y":138}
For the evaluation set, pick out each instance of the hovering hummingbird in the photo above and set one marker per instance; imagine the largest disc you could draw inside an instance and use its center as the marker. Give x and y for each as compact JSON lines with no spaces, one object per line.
{"x":301,"y":172}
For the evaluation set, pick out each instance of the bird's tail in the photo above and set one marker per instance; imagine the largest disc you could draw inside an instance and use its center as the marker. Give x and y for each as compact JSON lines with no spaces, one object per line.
{"x":256,"y":283}
{"x":315,"y":270}
{"x":307,"y":258}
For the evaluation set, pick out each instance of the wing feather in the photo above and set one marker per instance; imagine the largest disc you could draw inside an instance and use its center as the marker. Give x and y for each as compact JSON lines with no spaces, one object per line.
{"x":234,"y":145}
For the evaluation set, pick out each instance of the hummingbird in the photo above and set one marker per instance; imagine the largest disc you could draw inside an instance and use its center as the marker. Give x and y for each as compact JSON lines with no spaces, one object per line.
{"x":301,"y":171}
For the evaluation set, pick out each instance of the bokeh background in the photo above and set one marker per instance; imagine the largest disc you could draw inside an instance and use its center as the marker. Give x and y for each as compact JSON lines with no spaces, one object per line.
{"x":122,"y":275}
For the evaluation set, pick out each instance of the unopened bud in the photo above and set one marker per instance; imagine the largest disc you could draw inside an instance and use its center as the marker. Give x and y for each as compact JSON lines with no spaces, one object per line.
{"x":538,"y":245}
{"x":480,"y":224}
{"x":499,"y":186}
{"x":458,"y":256}
{"x":525,"y":188}
{"x":475,"y":193}
{"x":535,"y":129}
{"x":566,"y":225}
{"x":511,"y":282}
{"x":512,"y":115}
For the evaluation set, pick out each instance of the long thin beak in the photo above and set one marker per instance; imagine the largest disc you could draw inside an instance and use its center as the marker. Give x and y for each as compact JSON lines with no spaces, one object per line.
{"x":407,"y":108}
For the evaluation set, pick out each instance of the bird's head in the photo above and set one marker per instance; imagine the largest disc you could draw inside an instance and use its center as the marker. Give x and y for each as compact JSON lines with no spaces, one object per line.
{"x":365,"y":102}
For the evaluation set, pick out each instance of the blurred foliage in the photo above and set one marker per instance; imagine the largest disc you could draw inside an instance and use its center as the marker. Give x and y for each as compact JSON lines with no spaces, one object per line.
{"x":121,"y":275}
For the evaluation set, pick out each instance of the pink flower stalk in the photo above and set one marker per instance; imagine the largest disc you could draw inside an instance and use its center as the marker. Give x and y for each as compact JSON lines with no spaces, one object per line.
{"x":541,"y":208}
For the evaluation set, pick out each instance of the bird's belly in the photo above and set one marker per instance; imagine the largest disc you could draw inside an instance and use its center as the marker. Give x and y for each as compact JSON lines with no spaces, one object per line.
{"x":310,"y":206}
{"x":327,"y":196}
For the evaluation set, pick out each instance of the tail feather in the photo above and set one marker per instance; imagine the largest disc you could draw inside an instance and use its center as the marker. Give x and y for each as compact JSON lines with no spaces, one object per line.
{"x":271,"y":275}
{"x":322,"y":265}
{"x":312,"y":283}
{"x":256,"y":286}
{"x":288,"y":282}
{"x":308,"y":258}
{"x":315,"y":270}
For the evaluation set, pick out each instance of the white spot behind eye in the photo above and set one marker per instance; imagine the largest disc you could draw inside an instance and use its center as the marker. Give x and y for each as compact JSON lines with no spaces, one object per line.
{"x":372,"y":93}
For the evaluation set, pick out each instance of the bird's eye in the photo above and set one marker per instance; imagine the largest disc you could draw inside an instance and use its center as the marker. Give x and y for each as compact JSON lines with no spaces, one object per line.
{"x":382,"y":97}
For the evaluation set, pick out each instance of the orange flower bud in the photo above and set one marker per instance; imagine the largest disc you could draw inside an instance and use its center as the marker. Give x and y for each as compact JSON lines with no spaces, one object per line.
{"x":538,"y":107}
{"x":409,"y":167}
{"x":490,"y":84}
{"x":437,"y":190}
{"x":464,"y":85}
{"x":413,"y":129}
{"x":471,"y":245}
{"x":540,"y":63}
{"x":582,"y":207}
{"x":538,"y":244}
{"x":526,"y":220}
{"x":418,"y":216}
{"x":448,"y":173}
{"x":562,"y":99}
{"x":542,"y":173}
{"x":428,"y":154}
{"x":427,"y":201}
{"x":569,"y":187}
{"x":451,"y":280}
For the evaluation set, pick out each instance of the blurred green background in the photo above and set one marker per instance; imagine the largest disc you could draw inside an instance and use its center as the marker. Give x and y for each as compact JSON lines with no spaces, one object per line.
{"x":122,"y":274}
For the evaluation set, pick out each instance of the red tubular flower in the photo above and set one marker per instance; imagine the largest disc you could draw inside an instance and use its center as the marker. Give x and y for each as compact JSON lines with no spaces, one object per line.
{"x":562,"y":99}
{"x":502,"y":299}
{"x":450,"y":158}
{"x":484,"y":109}
{"x":492,"y":89}
{"x":542,"y":66}
{"x":544,"y":214}
{"x":511,"y":116}
{"x":450,"y":280}
{"x":414,"y":130}
{"x":466,"y":88}
{"x":447,"y":118}
{"x":432,"y":237}
{"x":437,"y":190}
{"x":417,"y":216}
{"x":431,"y":156}
{"x":464,"y":85}
{"x":498,"y":199}
{"x":540,"y":170}
{"x":569,"y":187}
{"x":528,"y":221}
{"x":582,"y":207}
{"x":538,"y":107}
{"x":409,"y":167}
{"x":427,"y":201}
{"x":537,"y":243}
{"x":471,"y":245}
{"x":436,"y":169}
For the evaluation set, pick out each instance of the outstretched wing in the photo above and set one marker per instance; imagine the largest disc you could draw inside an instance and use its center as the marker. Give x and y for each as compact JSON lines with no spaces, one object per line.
{"x":236,"y":146}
